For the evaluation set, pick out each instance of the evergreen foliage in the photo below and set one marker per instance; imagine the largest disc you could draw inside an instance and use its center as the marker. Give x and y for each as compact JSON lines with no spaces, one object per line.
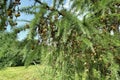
{"x":74,"y":48}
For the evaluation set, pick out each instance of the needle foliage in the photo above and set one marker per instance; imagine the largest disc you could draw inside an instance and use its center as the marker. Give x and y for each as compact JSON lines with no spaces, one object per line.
{"x":81,"y":42}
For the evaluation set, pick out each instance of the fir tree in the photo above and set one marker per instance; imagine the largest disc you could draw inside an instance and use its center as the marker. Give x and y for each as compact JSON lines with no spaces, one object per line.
{"x":74,"y":48}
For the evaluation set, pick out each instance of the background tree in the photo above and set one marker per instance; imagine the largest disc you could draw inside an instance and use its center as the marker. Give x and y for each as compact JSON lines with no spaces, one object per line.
{"x":75,"y":48}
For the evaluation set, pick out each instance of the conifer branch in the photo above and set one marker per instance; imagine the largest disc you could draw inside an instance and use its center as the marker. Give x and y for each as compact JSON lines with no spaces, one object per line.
{"x":50,"y":8}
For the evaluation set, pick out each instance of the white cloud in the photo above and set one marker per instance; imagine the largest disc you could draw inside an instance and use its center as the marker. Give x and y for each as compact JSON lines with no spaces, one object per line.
{"x":68,"y":4}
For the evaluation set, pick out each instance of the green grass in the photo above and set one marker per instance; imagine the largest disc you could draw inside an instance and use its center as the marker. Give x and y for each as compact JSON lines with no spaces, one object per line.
{"x":21,"y":73}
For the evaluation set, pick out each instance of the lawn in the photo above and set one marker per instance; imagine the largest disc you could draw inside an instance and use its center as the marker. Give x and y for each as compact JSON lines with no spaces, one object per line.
{"x":21,"y":73}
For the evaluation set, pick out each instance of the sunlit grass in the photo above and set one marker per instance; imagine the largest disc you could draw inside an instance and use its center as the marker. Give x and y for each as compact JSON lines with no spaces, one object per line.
{"x":21,"y":73}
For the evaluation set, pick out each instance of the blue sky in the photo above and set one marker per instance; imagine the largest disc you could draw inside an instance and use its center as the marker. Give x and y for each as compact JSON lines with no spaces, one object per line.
{"x":23,"y":16}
